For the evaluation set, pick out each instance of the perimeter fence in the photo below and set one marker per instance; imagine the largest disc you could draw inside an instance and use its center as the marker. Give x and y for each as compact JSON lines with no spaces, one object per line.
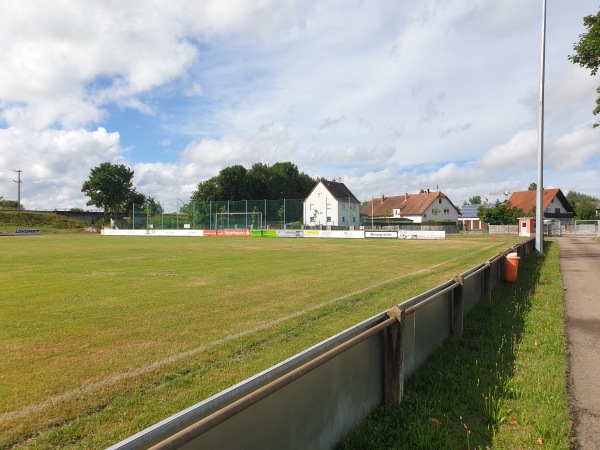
{"x":214,"y":215}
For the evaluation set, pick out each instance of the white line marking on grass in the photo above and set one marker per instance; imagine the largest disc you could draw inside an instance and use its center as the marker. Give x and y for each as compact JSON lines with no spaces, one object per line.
{"x":171,"y":359}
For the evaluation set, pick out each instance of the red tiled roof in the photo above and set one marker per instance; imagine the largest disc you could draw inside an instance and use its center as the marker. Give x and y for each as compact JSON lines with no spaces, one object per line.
{"x":526,"y":200}
{"x":408,"y":204}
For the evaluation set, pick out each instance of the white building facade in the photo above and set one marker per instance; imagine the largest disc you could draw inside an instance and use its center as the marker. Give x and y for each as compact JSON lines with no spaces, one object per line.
{"x":331,"y":203}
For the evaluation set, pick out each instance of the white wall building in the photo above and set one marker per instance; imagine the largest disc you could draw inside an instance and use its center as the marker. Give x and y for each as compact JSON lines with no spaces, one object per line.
{"x":331,"y":203}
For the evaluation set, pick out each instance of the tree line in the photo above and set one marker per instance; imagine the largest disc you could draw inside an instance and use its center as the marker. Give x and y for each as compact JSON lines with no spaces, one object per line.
{"x":110,"y":186}
{"x":260,"y":182}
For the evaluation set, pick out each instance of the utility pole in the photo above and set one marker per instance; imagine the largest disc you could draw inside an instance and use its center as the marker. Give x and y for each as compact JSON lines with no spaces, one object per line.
{"x":18,"y":181}
{"x":539,"y":203}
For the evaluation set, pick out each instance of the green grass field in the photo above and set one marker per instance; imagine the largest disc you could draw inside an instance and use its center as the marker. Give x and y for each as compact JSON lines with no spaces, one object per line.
{"x":104,"y":336}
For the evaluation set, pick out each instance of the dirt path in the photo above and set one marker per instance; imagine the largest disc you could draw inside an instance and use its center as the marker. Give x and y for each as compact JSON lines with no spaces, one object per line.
{"x":580,"y":269}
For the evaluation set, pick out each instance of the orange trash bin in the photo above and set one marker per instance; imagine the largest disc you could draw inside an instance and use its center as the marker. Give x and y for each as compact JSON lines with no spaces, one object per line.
{"x":512,"y":267}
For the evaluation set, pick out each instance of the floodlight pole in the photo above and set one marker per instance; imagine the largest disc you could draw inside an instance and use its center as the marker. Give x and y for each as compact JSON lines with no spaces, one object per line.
{"x":539,"y":204}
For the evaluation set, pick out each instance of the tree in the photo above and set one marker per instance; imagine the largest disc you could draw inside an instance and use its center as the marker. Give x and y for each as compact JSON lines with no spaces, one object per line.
{"x":207,"y":191}
{"x":261,"y":182}
{"x":586,"y":210}
{"x":435,"y":212}
{"x":109,"y":187}
{"x":258,"y":181}
{"x":475,"y":200}
{"x":233,"y":183}
{"x":500,"y":214}
{"x":583,"y":205}
{"x":532,"y":187}
{"x":587,"y":51}
{"x":9,"y":204}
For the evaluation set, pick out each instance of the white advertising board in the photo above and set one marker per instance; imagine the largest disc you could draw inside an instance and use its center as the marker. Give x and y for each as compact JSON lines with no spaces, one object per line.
{"x":419,"y":234}
{"x":381,"y":234}
{"x":152,"y":232}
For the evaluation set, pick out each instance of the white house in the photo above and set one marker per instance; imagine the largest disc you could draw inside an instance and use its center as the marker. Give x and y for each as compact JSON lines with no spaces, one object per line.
{"x":331,"y":203}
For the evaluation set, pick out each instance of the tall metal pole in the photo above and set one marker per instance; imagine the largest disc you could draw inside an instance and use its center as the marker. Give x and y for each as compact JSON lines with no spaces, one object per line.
{"x":539,"y":204}
{"x":18,"y":181}
{"x":182,"y":204}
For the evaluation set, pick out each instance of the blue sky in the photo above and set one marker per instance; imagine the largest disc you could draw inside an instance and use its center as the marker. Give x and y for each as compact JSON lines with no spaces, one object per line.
{"x":390,"y":97}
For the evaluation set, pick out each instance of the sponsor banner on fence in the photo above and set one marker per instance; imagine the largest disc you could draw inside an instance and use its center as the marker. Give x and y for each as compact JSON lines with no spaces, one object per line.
{"x":342,"y":234}
{"x":264,"y":233}
{"x":241,"y":233}
{"x":311,"y":233}
{"x":419,"y":234}
{"x":26,"y":232}
{"x":290,"y":233}
{"x":381,"y":234}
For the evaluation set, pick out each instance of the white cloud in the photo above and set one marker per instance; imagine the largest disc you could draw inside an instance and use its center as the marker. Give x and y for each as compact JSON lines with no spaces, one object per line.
{"x":54,"y":163}
{"x":394,"y":96}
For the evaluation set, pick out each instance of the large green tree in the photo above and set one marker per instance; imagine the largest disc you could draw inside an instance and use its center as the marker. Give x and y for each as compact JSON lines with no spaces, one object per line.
{"x":587,"y":50}
{"x":109,"y":187}
{"x":261,"y":182}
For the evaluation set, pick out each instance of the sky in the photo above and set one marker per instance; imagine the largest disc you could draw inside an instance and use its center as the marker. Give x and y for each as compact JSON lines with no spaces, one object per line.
{"x":388,"y":97}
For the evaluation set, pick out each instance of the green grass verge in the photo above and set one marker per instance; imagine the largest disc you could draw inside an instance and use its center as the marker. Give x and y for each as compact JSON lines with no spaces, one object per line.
{"x":502,"y":385}
{"x":45,"y":222}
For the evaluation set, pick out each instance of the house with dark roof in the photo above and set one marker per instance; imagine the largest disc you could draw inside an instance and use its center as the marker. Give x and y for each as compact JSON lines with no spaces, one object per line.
{"x":469,"y":219}
{"x":411,"y":208}
{"x":331,"y":203}
{"x":554,"y":203}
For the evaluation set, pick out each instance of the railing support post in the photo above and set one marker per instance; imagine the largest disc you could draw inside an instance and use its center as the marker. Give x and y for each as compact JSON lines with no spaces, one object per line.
{"x":394,"y":358}
{"x":457,"y":307}
{"x":486,"y":294}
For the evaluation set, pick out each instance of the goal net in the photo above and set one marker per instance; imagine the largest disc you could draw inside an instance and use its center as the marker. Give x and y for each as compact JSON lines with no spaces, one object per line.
{"x":238,"y":220}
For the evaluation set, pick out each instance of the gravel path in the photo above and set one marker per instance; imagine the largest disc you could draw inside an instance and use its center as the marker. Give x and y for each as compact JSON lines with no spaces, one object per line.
{"x":580,"y":269}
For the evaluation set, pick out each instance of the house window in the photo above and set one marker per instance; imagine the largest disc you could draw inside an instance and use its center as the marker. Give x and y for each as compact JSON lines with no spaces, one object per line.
{"x":312,"y":220}
{"x":328,"y":219}
{"x":319,"y":194}
{"x":446,"y":211}
{"x":354,"y":220}
{"x":343,"y":220}
{"x":312,"y":207}
{"x":440,"y":201}
{"x":557,"y":210}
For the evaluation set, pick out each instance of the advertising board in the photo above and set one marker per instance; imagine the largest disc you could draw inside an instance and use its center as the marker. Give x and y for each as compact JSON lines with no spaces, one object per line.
{"x":26,"y":232}
{"x":421,"y":234}
{"x":290,"y":233}
{"x":381,"y":234}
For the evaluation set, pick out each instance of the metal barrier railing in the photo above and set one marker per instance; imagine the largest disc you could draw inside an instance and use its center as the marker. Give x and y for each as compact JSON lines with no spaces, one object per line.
{"x":390,"y":346}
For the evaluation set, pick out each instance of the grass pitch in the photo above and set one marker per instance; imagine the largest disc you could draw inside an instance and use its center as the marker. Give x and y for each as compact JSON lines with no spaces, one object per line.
{"x":104,"y":336}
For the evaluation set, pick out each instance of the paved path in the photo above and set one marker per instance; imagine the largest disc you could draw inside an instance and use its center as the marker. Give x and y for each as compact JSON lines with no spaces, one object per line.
{"x":580,"y":269}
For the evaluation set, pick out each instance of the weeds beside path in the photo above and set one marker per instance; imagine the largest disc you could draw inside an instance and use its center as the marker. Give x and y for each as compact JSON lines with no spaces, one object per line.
{"x":502,"y":385}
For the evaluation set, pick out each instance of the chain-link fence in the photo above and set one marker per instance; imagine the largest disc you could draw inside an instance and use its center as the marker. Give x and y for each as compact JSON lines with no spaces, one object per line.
{"x":244,"y":214}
